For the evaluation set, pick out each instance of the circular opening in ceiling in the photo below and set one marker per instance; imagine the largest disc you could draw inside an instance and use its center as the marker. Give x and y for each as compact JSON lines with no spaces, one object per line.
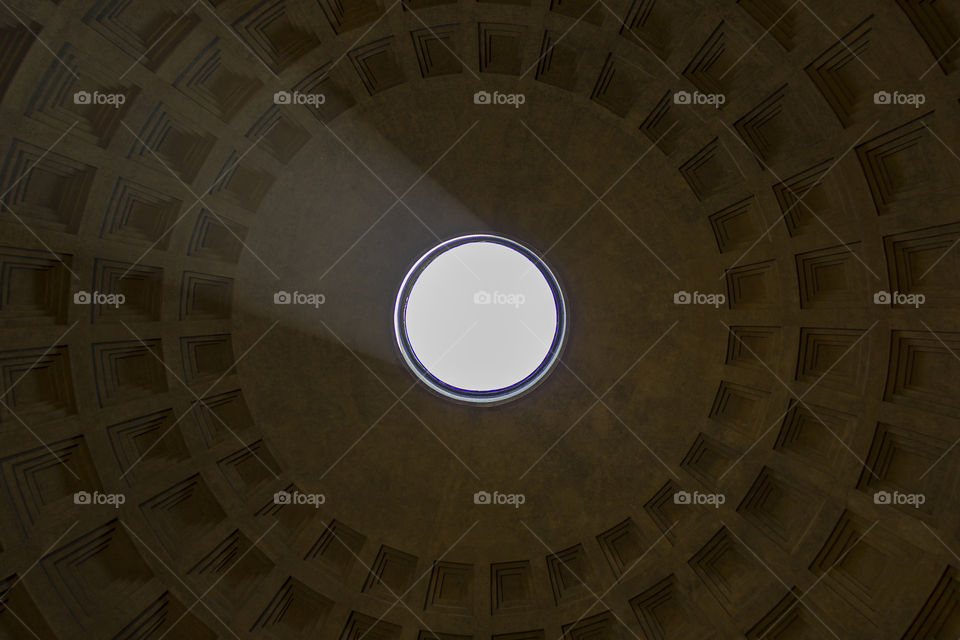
{"x":480,"y":319}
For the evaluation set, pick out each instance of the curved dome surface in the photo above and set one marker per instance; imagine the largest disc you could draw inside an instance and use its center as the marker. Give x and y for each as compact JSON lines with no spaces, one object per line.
{"x":207,"y":430}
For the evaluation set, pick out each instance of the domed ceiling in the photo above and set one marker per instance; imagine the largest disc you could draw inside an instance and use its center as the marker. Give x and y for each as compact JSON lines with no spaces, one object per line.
{"x":207,"y":429}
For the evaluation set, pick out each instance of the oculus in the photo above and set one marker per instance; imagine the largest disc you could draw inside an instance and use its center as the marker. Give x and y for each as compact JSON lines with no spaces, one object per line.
{"x":480,"y":319}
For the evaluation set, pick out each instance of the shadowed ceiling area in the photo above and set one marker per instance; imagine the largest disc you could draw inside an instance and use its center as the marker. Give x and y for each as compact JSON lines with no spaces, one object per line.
{"x":207,"y":429}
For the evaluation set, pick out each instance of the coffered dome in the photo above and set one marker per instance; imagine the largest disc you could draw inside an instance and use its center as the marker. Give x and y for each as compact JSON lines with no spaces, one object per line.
{"x":750,"y":418}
